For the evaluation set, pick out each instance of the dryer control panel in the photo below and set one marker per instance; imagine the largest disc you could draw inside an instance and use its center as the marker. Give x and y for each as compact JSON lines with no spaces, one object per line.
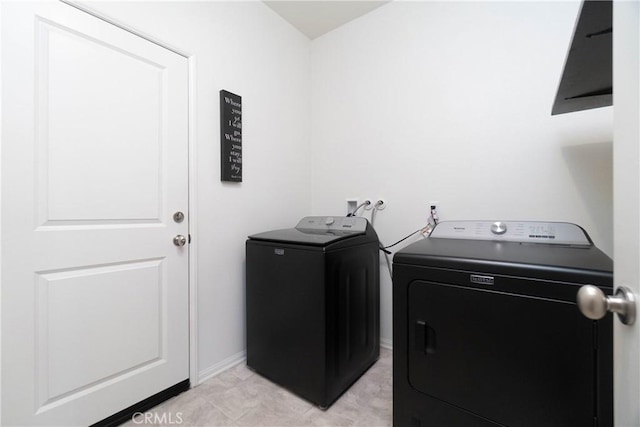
{"x":557,"y":233}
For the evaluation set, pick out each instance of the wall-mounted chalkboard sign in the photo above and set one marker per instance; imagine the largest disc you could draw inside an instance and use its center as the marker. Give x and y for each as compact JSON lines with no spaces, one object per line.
{"x":230,"y":137}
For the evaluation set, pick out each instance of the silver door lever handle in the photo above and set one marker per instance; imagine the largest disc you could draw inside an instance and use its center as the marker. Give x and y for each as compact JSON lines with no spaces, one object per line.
{"x":594,"y":304}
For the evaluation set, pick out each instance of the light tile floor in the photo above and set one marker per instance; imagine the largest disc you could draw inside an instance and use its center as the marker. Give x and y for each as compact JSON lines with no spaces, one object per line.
{"x":239,"y":397}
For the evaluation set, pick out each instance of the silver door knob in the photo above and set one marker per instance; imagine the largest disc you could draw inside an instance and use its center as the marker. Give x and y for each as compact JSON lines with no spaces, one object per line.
{"x":179,"y":240}
{"x":594,"y":304}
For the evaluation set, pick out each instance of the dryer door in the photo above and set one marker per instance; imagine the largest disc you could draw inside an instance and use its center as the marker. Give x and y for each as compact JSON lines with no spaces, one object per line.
{"x":516,"y":360}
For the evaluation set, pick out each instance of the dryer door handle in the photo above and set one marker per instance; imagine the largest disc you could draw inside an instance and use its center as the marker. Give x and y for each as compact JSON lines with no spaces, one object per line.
{"x":425,"y":338}
{"x":594,"y":304}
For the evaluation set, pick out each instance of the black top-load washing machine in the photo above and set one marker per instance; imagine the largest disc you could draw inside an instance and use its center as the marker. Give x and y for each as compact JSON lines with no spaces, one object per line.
{"x":312,"y":300}
{"x":486,"y":330}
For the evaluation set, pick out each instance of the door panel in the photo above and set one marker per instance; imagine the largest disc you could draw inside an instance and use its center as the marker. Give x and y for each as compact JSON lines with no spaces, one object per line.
{"x":468,"y":347}
{"x":94,"y":164}
{"x":72,"y":335}
{"x":83,"y":175}
{"x":626,"y":169}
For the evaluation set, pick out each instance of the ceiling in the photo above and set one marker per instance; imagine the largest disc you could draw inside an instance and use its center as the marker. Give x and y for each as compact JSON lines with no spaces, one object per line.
{"x":315,"y":17}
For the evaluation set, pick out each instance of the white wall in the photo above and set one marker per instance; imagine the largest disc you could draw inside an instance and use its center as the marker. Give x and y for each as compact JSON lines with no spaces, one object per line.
{"x":451,"y":101}
{"x":242,"y":47}
{"x":416,"y":101}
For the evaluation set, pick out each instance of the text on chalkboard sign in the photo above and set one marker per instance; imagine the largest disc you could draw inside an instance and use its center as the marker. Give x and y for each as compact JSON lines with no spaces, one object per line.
{"x":230,"y":136}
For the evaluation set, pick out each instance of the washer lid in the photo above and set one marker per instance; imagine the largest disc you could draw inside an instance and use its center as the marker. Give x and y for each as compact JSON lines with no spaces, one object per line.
{"x":317,"y":231}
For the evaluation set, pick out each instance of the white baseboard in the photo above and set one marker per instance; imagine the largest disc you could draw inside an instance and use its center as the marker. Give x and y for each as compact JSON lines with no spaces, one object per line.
{"x":221,"y":366}
{"x":385,"y":343}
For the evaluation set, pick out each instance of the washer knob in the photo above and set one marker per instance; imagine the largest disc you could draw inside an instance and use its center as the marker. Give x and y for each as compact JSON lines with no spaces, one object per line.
{"x":329,"y":220}
{"x":498,"y":227}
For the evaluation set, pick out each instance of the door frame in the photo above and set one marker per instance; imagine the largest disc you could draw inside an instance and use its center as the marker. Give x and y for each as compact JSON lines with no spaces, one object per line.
{"x":192,"y":188}
{"x":1,"y":8}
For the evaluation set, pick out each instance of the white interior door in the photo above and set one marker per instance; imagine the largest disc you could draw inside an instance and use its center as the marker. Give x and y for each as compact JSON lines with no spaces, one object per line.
{"x":94,"y":165}
{"x":626,"y":143}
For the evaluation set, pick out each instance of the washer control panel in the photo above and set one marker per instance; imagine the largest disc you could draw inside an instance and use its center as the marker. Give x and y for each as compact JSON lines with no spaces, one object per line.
{"x":557,"y":233}
{"x":354,"y":224}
